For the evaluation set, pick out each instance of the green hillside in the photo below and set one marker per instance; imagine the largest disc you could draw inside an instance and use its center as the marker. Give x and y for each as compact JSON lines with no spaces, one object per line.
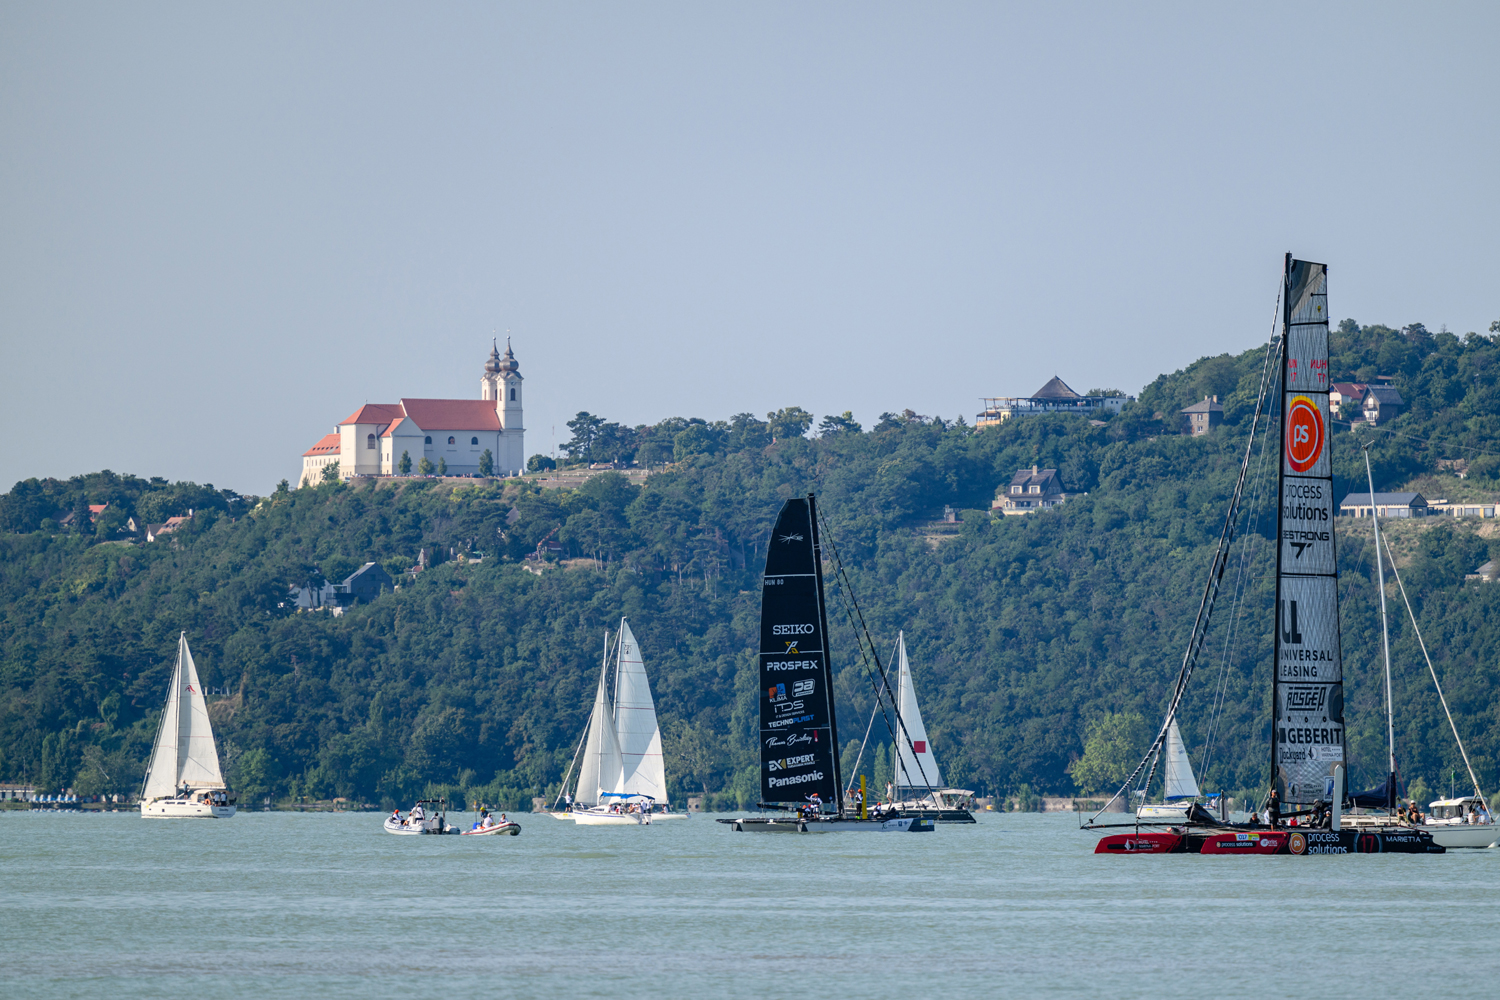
{"x":1023,"y":632}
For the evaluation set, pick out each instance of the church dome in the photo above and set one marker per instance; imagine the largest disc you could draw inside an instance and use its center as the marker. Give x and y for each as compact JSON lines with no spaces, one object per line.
{"x":509,"y":365}
{"x":492,"y":366}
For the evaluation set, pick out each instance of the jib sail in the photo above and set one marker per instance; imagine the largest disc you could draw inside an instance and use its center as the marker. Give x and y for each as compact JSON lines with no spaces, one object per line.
{"x":798,"y":735}
{"x":1308,"y":690}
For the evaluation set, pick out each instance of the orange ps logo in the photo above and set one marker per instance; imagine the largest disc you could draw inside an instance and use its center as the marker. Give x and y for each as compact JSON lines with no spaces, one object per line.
{"x":1304,"y":434}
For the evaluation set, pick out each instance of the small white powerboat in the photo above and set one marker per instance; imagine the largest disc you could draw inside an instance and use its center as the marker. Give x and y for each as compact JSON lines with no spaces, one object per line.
{"x":488,"y":826}
{"x":418,"y":822}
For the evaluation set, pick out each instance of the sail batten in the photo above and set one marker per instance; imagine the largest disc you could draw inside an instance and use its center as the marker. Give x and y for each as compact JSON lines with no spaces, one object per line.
{"x":917,"y":767}
{"x":1308,"y":697}
{"x":798,"y":732}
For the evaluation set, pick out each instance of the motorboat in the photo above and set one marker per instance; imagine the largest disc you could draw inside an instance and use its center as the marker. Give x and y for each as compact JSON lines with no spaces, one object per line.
{"x":495,"y":828}
{"x":419,"y":822}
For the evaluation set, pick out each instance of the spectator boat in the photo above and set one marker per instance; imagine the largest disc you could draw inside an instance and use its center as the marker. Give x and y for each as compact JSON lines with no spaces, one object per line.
{"x":421,"y":822}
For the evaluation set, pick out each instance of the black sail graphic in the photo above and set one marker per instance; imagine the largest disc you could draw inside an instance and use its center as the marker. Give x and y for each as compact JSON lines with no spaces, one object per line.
{"x":1308,"y":742}
{"x":798,"y":735}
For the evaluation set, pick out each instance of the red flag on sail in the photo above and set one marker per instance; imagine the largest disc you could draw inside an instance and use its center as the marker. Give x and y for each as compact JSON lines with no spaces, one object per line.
{"x":920,"y":746}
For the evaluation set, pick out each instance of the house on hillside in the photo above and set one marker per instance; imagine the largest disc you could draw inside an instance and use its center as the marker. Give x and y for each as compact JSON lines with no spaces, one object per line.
{"x":1029,"y":491}
{"x":1484,"y":574}
{"x":1200,"y":418}
{"x":1382,"y":403}
{"x":364,"y":584}
{"x":1341,"y":392}
{"x":1385,"y":505}
{"x":155,"y":531}
{"x":95,"y":509}
{"x":1054,"y":397}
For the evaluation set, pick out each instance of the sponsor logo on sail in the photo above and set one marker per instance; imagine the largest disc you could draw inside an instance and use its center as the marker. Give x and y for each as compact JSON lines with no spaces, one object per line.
{"x":1306,"y":699}
{"x":790,"y":720}
{"x":792,"y":665}
{"x":795,"y":779}
{"x":789,"y":539}
{"x":791,"y":630}
{"x":776,"y":692}
{"x":803,"y":688}
{"x":1297,"y":843}
{"x":1304,"y":434}
{"x":792,"y":763}
{"x":795,"y":739}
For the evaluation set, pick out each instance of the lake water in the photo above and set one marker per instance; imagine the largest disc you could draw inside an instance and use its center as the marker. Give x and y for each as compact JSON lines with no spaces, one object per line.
{"x":283,"y":905}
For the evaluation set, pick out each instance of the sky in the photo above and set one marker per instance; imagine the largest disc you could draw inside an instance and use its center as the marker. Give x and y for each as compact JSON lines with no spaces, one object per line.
{"x":223,"y":228}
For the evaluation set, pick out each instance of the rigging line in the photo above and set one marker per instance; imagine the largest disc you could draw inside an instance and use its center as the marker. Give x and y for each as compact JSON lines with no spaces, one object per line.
{"x":1199,"y":634}
{"x":879,"y":701}
{"x":862,"y":744}
{"x":1430,"y":669}
{"x":848,"y":589}
{"x":1249,"y":550}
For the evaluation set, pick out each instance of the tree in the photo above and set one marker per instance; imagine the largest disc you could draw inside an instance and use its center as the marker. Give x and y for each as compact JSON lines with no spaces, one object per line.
{"x":1111,"y":393}
{"x":442,"y":468}
{"x":697,"y":439}
{"x":486,"y":464}
{"x":585,"y":428}
{"x":540,"y":463}
{"x":1113,"y":748}
{"x":696,"y":748}
{"x":888,"y":422}
{"x":331,"y":472}
{"x":843,"y":424}
{"x":789,"y":421}
{"x":404,"y":466}
{"x":83,"y":521}
{"x":425,"y":467}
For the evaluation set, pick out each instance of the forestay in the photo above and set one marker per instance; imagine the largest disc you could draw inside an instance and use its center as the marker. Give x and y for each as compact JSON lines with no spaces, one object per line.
{"x":798,"y":733}
{"x":1308,"y":700}
{"x":635,"y":722}
{"x":917,"y":766}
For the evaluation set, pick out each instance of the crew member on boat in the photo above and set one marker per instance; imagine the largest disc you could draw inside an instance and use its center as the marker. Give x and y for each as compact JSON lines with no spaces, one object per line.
{"x":416,"y":815}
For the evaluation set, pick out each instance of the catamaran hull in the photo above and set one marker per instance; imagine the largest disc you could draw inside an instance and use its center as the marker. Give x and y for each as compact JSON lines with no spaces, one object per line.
{"x":170,"y":809}
{"x":939,"y":815}
{"x":1281,"y":841}
{"x":791,"y":824}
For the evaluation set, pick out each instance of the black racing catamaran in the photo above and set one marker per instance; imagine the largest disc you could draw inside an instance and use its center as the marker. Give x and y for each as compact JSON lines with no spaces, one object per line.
{"x":800,"y":784}
{"x":1308,"y":784}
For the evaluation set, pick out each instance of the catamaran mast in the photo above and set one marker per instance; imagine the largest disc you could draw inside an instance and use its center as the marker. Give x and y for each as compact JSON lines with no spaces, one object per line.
{"x":833,"y":726}
{"x":1385,"y":635}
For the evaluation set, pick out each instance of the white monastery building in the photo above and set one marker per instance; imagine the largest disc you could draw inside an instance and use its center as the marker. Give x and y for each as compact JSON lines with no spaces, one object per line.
{"x":371,"y":440}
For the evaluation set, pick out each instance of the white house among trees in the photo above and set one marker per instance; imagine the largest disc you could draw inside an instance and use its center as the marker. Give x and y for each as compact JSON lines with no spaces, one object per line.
{"x":431,"y":436}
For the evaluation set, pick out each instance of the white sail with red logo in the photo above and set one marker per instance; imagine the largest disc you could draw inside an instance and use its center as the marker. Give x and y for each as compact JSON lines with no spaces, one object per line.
{"x":916,"y":766}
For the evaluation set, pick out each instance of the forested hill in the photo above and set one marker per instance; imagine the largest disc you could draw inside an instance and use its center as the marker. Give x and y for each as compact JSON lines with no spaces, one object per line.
{"x":1025,"y":633}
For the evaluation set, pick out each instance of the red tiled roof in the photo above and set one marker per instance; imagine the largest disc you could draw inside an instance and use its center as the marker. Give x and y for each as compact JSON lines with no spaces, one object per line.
{"x":453,"y":414}
{"x":1348,"y":388}
{"x":373,"y":413}
{"x":329,"y":444}
{"x":391,"y":429}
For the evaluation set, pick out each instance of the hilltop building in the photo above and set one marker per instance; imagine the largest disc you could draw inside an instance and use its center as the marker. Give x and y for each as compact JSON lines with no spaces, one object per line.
{"x":457,"y":432}
{"x":1029,"y":491}
{"x":1200,"y":418}
{"x":1384,"y":505}
{"x":1054,"y":397}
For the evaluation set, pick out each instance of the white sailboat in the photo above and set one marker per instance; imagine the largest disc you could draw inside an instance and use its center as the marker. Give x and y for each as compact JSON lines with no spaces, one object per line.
{"x":919,"y":789}
{"x":1181,"y":788}
{"x":616,"y":788}
{"x":183,"y":779}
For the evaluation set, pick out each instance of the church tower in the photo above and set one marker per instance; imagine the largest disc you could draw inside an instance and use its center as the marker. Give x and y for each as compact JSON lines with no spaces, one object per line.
{"x":489,"y":387}
{"x":508,"y":406}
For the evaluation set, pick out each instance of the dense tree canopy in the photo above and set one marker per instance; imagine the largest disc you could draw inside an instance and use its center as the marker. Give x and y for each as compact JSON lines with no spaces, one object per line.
{"x":1027,"y":634}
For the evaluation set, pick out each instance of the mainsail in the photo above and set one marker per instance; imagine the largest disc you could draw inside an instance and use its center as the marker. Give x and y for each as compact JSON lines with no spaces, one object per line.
{"x":184,"y":754}
{"x":635,"y":722}
{"x":799,"y":754}
{"x":1308,"y":690}
{"x":603,"y":768}
{"x":917,"y":768}
{"x":1180,"y":783}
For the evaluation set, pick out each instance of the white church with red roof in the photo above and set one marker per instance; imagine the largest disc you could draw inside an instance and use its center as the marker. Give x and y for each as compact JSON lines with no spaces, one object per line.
{"x":449,"y":433}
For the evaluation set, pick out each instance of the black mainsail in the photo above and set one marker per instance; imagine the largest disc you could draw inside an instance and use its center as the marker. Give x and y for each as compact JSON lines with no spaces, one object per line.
{"x":1308,"y":688}
{"x":799,"y":753}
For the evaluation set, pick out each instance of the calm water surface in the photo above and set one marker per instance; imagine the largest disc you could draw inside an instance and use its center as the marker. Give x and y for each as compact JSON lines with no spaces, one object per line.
{"x":280,"y":905}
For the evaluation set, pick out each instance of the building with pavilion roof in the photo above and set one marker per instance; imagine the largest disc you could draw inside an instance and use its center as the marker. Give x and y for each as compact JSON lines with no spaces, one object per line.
{"x":1054,"y":397}
{"x":454,"y":432}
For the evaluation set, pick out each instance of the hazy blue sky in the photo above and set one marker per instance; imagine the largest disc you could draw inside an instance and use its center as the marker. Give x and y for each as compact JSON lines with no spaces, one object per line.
{"x":225,"y":227}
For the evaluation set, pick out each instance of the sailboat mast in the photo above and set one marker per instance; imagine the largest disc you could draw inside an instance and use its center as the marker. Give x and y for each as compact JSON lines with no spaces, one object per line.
{"x":1385,"y":628}
{"x":1286,"y":326}
{"x":833,"y":726}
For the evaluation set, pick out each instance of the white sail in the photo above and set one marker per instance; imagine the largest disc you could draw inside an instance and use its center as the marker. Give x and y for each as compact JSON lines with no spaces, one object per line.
{"x":917,"y":766}
{"x":1180,"y":783}
{"x":185,"y":753}
{"x":635,"y":723}
{"x":602,"y":769}
{"x":161,"y":777}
